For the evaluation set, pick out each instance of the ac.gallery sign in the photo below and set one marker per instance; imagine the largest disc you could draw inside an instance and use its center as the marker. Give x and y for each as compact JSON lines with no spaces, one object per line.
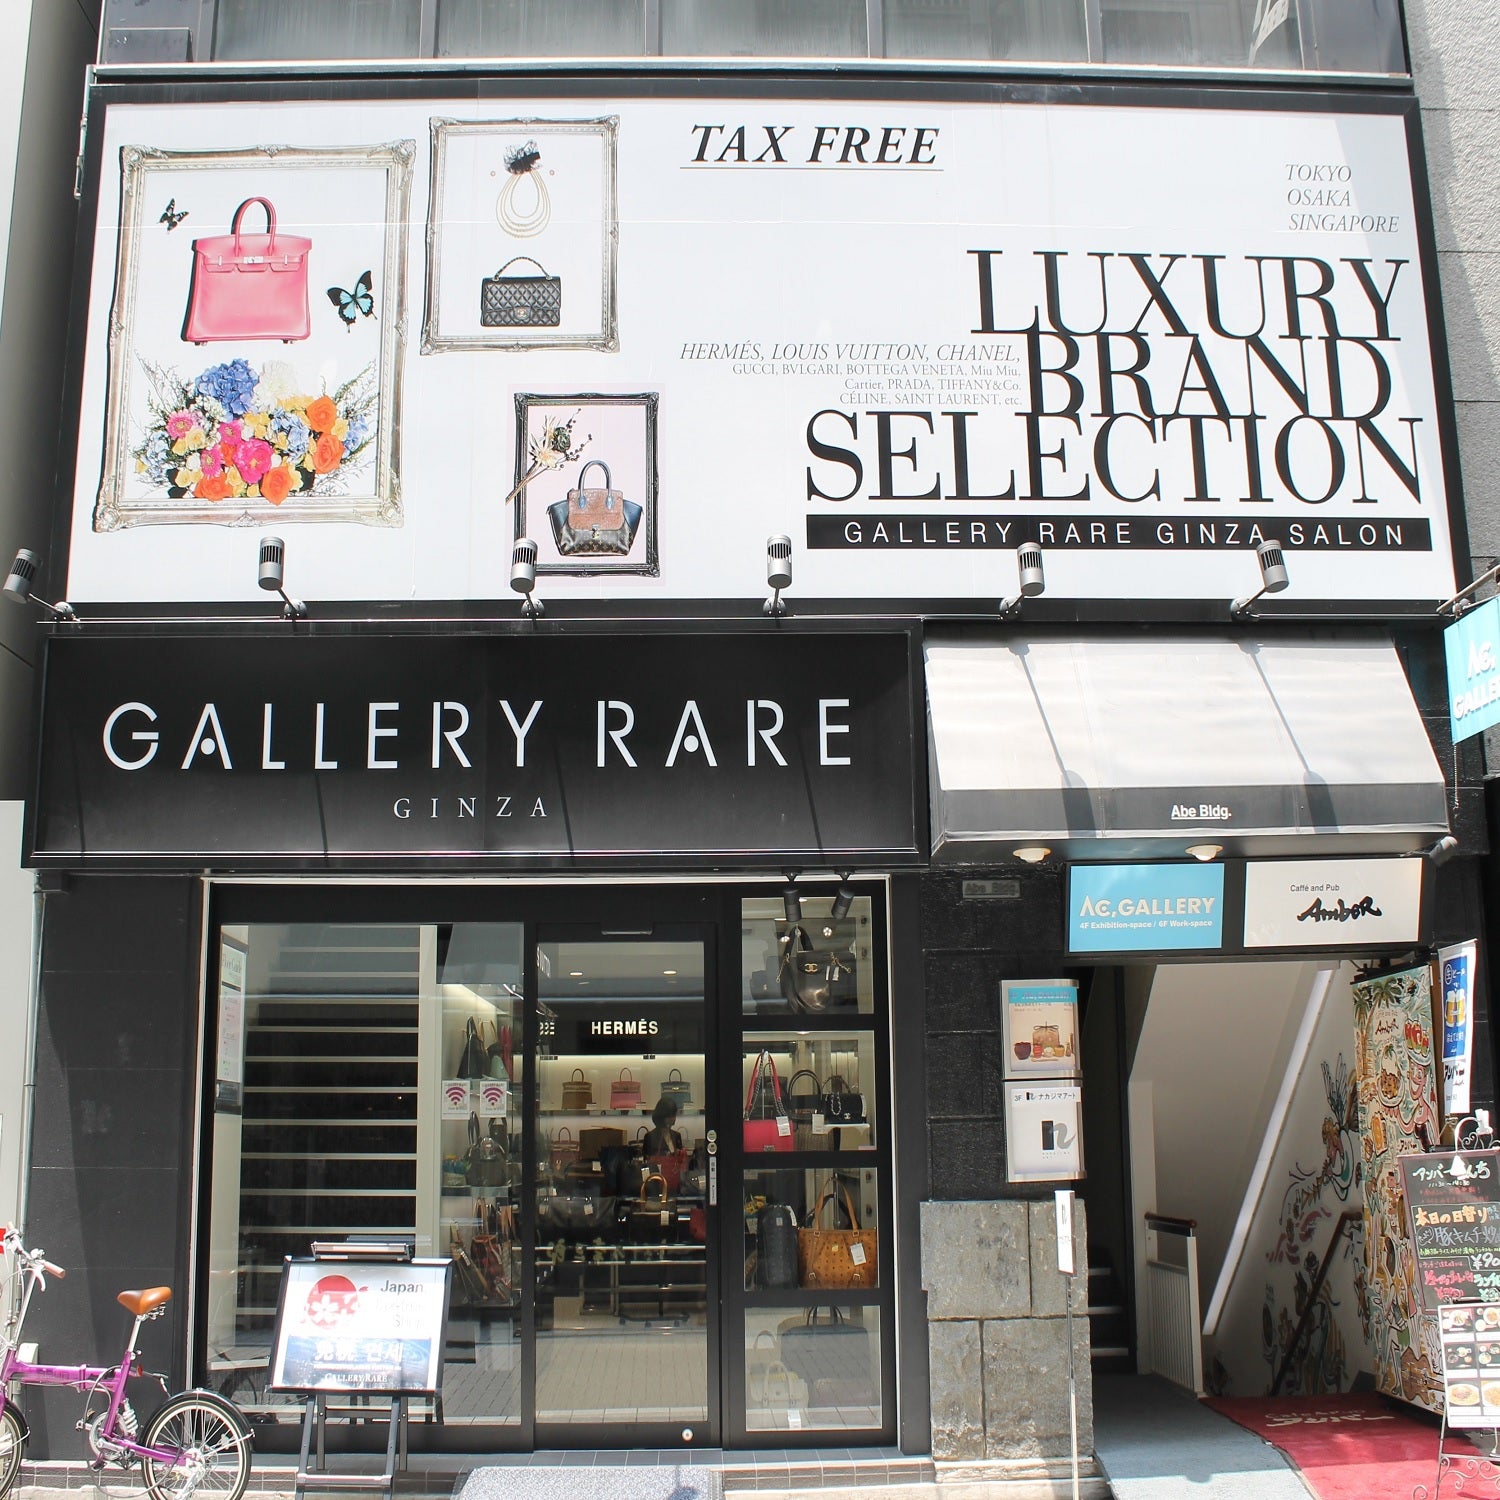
{"x":551,"y":749}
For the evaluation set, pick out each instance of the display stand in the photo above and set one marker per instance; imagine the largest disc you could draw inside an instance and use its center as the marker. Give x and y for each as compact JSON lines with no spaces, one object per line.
{"x":357,"y":1321}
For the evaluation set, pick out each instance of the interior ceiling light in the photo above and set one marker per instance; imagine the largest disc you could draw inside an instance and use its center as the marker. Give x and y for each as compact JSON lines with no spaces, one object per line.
{"x":1033,"y":854}
{"x":791,"y":900}
{"x":1205,"y":852}
{"x":844,"y":900}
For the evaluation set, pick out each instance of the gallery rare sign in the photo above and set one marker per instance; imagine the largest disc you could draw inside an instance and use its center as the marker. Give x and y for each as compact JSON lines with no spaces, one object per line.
{"x":511,"y":752}
{"x":648,"y":332}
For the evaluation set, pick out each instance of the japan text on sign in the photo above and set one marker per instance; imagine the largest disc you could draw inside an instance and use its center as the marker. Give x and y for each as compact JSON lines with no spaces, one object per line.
{"x":1454,"y":1218}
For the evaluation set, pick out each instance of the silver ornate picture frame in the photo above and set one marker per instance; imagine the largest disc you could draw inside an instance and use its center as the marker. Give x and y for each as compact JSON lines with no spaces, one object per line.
{"x":177,"y":410}
{"x":494,"y":187}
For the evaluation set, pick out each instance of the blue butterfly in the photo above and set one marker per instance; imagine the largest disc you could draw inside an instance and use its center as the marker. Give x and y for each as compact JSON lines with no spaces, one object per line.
{"x":349,"y":305}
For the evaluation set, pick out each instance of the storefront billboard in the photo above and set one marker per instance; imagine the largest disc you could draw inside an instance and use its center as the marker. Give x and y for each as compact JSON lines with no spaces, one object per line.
{"x":649,"y":332}
{"x":1471,"y":649}
{"x":1130,"y":908}
{"x":1332,"y":903}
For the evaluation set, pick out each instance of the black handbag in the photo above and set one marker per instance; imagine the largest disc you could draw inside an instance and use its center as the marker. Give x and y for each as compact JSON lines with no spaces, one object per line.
{"x":520,"y":301}
{"x":653,"y":1218}
{"x":776,"y":1247}
{"x":813,"y":979}
{"x":825,"y":1344}
{"x":485,"y":1163}
{"x":473,"y":1061}
{"x":841,"y":1105}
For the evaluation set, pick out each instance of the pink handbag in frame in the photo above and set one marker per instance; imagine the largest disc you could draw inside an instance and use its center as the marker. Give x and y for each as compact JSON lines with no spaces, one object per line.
{"x":248,"y":286}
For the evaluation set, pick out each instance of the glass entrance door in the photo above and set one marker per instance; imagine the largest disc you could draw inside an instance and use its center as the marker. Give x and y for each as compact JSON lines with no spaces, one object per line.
{"x":623,"y":1272}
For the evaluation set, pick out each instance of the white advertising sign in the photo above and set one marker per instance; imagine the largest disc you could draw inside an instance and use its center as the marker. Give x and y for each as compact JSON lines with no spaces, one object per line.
{"x":648,"y":333}
{"x":1328,"y":903}
{"x":1043,"y":1132}
{"x":1458,"y":965}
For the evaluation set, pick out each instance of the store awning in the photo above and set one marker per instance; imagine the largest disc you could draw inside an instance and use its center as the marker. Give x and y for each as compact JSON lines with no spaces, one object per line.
{"x":1110,"y":748}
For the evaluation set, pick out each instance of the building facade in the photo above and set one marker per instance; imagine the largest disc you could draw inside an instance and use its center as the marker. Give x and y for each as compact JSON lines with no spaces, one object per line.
{"x":696,"y":682}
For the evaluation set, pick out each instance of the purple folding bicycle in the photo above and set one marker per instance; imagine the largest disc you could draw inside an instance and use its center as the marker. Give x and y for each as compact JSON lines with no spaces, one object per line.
{"x":196,"y":1443}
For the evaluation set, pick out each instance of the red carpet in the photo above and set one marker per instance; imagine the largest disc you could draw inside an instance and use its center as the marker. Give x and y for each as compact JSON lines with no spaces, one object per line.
{"x":1359,"y":1447}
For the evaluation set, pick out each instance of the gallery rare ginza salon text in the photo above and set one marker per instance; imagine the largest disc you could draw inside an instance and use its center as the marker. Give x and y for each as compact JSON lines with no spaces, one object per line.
{"x":1164,"y":377}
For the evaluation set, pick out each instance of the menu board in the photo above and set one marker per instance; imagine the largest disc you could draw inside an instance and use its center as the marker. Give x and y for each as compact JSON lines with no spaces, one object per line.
{"x":1471,"y":1363}
{"x":1453,"y":1211}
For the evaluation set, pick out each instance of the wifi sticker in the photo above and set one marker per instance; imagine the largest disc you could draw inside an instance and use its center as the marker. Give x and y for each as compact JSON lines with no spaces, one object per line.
{"x":455,"y":1098}
{"x":493,"y":1098}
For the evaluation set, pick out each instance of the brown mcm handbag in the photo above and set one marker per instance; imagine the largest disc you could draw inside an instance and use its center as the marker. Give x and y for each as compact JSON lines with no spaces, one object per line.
{"x":836,"y":1257}
{"x":594,"y":521}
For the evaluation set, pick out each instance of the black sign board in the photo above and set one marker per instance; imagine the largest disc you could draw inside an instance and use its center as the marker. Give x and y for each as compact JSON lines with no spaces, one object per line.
{"x":1454,"y":1217}
{"x":300,"y":750}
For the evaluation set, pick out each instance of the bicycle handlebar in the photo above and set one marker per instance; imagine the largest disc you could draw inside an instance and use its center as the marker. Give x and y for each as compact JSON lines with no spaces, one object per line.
{"x":52,"y":1270}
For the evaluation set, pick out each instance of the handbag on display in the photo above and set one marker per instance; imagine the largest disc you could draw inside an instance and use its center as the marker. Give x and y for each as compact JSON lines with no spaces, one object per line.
{"x":767,"y":1125}
{"x":499,"y":1053}
{"x":624,"y":1091}
{"x":593,"y":521}
{"x":473,"y":1060}
{"x":562,"y":1149}
{"x":813,"y":979}
{"x":836,"y":1257}
{"x":485,"y":1164}
{"x":520,"y":301}
{"x":841,"y":1105}
{"x":801,"y":1106}
{"x":825,"y":1344}
{"x":677,"y":1089}
{"x":669,"y":1166}
{"x":652,"y":1218}
{"x":776,"y":1248}
{"x":248,"y":286}
{"x":577,"y":1091}
{"x":593,"y":1141}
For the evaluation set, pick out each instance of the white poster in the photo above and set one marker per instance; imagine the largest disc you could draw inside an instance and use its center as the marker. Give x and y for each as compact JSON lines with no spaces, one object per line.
{"x":1043,"y":1132}
{"x":229,"y":1071}
{"x":1457,"y":965}
{"x":1331,"y":903}
{"x":649,"y":333}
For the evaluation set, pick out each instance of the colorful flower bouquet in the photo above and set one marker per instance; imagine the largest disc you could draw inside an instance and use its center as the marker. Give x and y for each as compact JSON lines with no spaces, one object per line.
{"x":231,"y":434}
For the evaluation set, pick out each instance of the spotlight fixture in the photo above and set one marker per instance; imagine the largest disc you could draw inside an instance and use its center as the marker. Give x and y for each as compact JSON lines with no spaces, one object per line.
{"x":18,"y":587}
{"x":1461,"y":600}
{"x":778,"y":571}
{"x":1273,"y":578}
{"x":1205,"y":852}
{"x":844,"y":900}
{"x":1033,"y":580}
{"x":273,"y":573}
{"x":791,"y":900}
{"x":523,"y":576}
{"x":1442,"y":851}
{"x":1032,"y":854}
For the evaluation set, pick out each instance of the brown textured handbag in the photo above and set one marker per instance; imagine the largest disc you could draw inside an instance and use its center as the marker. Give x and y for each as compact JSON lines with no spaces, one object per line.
{"x":836,"y":1257}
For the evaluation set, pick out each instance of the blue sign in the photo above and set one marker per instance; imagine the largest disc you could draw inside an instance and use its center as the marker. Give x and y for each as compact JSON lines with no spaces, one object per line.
{"x":1129,"y":908}
{"x":1472,"y":646}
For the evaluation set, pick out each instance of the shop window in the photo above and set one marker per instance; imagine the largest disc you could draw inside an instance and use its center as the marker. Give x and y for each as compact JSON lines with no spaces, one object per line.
{"x":815,"y":964}
{"x":367,"y":1086}
{"x":541,"y":28}
{"x":292,"y":30}
{"x":763,"y":28}
{"x":987,"y":30}
{"x":1196,"y":33}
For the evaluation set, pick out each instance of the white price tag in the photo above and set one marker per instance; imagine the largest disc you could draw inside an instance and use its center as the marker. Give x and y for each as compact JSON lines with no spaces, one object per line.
{"x":819,"y":1125}
{"x":793,"y":1417}
{"x":666,"y":1216}
{"x":857,"y":1253}
{"x":783,"y":1125}
{"x":588,"y":1209}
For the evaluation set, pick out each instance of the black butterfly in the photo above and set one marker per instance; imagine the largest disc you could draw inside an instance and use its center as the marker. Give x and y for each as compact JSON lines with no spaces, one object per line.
{"x":172,"y":216}
{"x":349,"y":305}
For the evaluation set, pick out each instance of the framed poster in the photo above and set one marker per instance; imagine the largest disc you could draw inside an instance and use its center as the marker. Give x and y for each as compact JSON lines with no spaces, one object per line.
{"x":361,"y":1325}
{"x":1471,"y":1363}
{"x":1039,"y":1018}
{"x":229,"y":1070}
{"x":585,"y":488}
{"x":1043,"y":1132}
{"x":521,"y":235}
{"x":259,"y":307}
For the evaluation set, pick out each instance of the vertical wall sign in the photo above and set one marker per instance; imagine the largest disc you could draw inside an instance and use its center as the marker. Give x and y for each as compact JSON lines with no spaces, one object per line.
{"x":1456,"y":965}
{"x":229,"y":1072}
{"x":1471,"y":645}
{"x":1040,"y":1021}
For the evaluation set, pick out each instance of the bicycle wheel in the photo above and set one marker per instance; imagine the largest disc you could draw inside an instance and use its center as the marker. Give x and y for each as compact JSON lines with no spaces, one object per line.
{"x":12,"y":1443}
{"x":213,"y":1444}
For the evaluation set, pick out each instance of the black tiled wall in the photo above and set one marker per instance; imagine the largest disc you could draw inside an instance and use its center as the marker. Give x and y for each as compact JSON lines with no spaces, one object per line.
{"x":109,"y":1185}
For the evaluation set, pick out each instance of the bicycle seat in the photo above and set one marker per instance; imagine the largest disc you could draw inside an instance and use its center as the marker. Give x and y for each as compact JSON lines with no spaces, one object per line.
{"x":138,"y":1304}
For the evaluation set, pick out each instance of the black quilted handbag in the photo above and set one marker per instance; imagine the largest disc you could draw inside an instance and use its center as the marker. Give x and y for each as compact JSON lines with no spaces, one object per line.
{"x":520,"y":301}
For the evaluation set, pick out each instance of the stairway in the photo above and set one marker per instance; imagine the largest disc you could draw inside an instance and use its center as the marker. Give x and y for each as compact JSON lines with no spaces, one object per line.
{"x":1111,"y":1348}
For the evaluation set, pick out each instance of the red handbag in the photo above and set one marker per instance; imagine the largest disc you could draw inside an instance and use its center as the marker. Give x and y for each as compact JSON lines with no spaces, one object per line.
{"x":771,"y":1128}
{"x":248,"y":286}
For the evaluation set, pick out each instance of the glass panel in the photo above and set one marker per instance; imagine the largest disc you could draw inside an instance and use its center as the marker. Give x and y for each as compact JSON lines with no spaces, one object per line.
{"x":763,"y":28}
{"x":808,"y":1091}
{"x":345,"y":1088}
{"x":541,"y":28}
{"x":814,"y":965}
{"x":812,"y":1368}
{"x":1194,"y":33}
{"x":811,"y":1227}
{"x":622,"y":1286}
{"x":993,"y":30}
{"x":293,"y":30}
